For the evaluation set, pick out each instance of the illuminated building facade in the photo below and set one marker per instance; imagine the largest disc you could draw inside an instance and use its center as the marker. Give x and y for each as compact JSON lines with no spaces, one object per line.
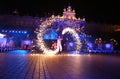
{"x":21,"y":28}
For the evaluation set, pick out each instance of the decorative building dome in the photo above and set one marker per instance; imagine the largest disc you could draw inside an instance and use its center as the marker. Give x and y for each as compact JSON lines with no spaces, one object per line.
{"x":69,"y":13}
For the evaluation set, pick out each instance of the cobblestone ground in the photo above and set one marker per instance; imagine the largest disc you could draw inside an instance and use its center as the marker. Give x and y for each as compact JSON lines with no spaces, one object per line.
{"x":38,"y":66}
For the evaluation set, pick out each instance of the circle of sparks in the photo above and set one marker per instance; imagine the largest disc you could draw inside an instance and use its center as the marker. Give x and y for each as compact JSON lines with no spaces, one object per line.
{"x":40,"y":41}
{"x":76,"y":37}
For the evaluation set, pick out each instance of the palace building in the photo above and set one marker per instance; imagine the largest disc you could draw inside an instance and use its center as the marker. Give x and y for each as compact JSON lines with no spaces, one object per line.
{"x":21,"y":29}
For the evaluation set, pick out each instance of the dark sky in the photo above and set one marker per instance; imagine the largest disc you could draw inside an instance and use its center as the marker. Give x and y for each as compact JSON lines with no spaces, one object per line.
{"x":93,"y":10}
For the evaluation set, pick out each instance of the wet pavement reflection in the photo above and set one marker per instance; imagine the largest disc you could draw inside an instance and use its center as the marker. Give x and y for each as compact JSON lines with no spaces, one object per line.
{"x":38,"y":66}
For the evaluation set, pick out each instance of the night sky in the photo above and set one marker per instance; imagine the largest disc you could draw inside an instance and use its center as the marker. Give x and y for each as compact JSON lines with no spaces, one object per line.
{"x":98,"y":10}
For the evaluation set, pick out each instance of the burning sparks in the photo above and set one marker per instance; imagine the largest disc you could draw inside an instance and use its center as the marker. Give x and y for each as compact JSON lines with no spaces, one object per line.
{"x":76,"y":37}
{"x":40,"y":41}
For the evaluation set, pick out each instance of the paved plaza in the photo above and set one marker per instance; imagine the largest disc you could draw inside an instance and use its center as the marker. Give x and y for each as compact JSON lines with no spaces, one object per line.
{"x":38,"y":66}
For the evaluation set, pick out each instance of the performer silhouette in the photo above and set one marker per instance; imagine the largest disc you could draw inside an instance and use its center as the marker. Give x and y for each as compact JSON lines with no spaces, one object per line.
{"x":59,"y":45}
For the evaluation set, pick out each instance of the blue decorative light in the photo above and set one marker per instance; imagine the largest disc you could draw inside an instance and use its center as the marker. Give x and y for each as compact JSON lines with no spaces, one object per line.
{"x":22,"y":31}
{"x":2,"y":30}
{"x":108,"y":46}
{"x":25,"y":32}
{"x":19,"y":31}
{"x":5,"y":30}
{"x":13,"y":31}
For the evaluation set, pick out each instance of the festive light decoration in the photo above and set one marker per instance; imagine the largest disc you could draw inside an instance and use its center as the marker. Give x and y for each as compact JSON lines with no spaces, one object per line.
{"x":75,"y":36}
{"x":41,"y":31}
{"x":68,"y":19}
